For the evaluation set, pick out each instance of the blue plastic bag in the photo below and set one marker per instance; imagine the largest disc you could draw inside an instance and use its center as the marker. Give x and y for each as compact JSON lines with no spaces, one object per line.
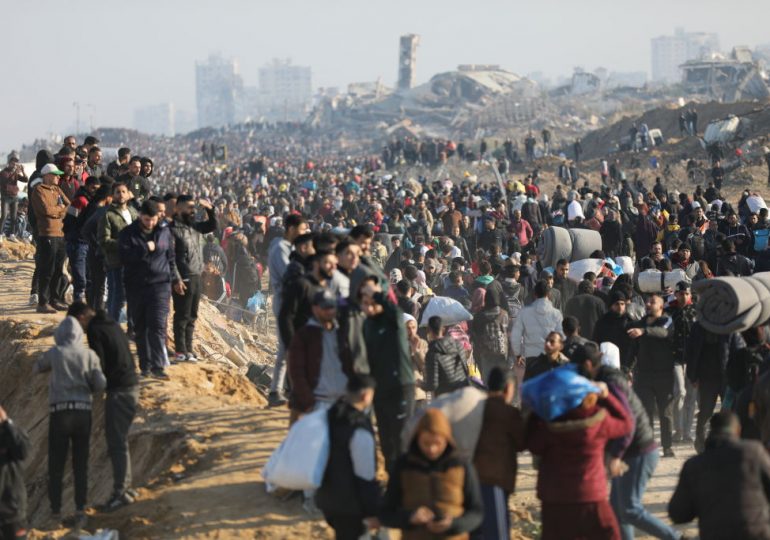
{"x":256,"y":303}
{"x":616,"y":268}
{"x":556,"y":392}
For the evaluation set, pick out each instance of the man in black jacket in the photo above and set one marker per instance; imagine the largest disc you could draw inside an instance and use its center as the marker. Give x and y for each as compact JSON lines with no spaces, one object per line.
{"x":188,"y":246}
{"x":637,"y":453}
{"x":682,"y":313}
{"x":138,"y":185}
{"x":613,"y":327}
{"x":298,"y":296}
{"x":110,"y":343}
{"x":148,"y":250}
{"x":586,"y":307}
{"x":563,"y":283}
{"x":727,"y":487}
{"x":707,"y":356}
{"x":491,"y":235}
{"x":90,"y":218}
{"x":14,"y":447}
{"x":654,"y":368}
{"x":299,"y":261}
{"x":732,"y":263}
{"x":349,"y":494}
{"x":445,"y":369}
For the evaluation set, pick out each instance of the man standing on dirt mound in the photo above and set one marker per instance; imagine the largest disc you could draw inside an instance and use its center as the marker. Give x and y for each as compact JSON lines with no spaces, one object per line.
{"x":277,"y":261}
{"x":50,"y":206}
{"x":147,"y":252}
{"x":107,"y":339}
{"x":188,"y":240}
{"x":117,"y":217}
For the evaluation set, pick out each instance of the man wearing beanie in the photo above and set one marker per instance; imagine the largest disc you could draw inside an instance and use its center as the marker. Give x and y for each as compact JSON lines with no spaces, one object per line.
{"x":613,"y":327}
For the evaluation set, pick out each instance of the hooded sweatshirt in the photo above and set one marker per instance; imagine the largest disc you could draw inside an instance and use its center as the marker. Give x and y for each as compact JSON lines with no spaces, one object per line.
{"x":75,"y":370}
{"x":448,"y":485}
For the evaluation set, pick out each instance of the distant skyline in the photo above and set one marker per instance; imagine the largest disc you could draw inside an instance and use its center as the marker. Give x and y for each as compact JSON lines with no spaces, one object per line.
{"x":119,"y":56}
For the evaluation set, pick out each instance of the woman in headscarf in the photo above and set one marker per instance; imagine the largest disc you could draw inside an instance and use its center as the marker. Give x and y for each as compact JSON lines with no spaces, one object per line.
{"x":418,"y":348}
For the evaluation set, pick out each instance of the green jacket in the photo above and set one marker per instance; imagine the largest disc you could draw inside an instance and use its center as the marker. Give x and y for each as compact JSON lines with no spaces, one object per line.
{"x":387,"y":349}
{"x":109,"y":230}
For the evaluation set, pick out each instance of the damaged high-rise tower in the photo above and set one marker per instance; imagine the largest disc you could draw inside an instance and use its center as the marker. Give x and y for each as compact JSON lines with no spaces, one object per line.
{"x":407,"y":60}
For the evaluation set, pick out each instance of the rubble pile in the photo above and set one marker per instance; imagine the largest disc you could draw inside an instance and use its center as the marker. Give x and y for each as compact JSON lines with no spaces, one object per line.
{"x":755,"y":115}
{"x":478,"y":101}
{"x":730,"y":79}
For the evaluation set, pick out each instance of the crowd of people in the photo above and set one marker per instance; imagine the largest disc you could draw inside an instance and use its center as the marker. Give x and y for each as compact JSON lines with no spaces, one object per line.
{"x":354,"y":257}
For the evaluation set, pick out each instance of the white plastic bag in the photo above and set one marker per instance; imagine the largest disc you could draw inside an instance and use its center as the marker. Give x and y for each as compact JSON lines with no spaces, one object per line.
{"x":610,"y":354}
{"x":755,"y":203}
{"x":450,"y":310}
{"x":300,"y":461}
{"x":626,"y":263}
{"x":578,"y":268}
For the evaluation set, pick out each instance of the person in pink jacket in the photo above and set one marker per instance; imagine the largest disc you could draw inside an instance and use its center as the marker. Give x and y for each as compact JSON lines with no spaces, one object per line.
{"x":521,"y":228}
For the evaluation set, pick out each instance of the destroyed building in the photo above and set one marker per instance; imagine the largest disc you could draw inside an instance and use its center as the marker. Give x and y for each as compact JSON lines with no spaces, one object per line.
{"x":731,"y":79}
{"x":407,"y":61}
{"x":449,"y":104}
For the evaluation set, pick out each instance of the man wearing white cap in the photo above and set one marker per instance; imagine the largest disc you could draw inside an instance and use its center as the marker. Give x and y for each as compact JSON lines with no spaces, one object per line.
{"x":50,"y":206}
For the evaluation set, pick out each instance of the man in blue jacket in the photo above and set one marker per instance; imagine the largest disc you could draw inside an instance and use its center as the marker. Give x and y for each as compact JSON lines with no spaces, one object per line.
{"x":147,"y":253}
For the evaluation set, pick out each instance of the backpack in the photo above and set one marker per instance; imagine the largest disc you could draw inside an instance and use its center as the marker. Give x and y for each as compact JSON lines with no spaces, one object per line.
{"x":478,"y":299}
{"x":492,"y":331}
{"x":514,"y":307}
{"x":760,"y":239}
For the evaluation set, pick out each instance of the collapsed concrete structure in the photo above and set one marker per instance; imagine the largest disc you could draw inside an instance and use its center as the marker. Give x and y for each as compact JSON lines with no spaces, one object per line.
{"x":736,"y":78}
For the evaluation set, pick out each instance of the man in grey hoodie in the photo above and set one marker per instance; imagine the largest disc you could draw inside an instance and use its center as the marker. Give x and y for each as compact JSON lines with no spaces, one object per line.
{"x":75,"y":376}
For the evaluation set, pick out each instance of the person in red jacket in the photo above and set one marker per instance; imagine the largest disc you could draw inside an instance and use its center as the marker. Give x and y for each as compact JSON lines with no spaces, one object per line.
{"x":571,"y":482}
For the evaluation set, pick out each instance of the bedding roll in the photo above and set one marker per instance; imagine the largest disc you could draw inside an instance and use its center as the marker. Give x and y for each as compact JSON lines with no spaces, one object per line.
{"x":732,"y":304}
{"x":584,"y":242}
{"x":555,"y":244}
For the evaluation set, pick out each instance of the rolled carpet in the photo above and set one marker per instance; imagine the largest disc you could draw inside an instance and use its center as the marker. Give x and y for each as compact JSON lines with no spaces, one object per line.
{"x":733,"y":304}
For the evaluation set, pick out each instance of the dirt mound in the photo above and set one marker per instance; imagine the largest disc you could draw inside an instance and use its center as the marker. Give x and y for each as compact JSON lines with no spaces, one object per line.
{"x":16,"y":251}
{"x":226,"y":384}
{"x":185,"y":429}
{"x":155,"y":447}
{"x":600,"y":142}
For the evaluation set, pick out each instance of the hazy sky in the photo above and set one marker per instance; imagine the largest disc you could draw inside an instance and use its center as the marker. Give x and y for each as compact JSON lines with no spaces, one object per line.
{"x":121,"y":55}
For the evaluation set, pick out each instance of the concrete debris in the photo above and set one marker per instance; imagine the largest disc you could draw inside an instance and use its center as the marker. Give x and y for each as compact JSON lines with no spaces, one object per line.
{"x":479,"y":101}
{"x":728,"y":80}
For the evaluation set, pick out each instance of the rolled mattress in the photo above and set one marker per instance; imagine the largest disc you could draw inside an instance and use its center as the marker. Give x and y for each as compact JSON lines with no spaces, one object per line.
{"x":733,"y":304}
{"x":570,"y":244}
{"x":655,"y":281}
